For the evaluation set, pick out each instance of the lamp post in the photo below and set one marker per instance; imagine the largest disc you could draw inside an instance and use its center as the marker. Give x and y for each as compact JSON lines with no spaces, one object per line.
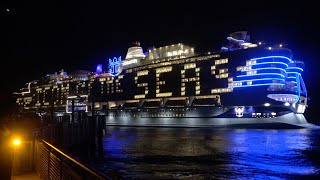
{"x":16,"y":142}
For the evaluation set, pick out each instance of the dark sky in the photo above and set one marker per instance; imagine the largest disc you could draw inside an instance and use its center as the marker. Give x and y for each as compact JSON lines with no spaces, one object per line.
{"x":45,"y":36}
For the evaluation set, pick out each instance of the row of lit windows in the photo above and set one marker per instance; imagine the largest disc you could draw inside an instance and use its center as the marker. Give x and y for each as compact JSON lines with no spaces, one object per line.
{"x":251,"y":72}
{"x":190,"y":79}
{"x":189,"y":66}
{"x":243,"y":68}
{"x":221,"y":71}
{"x":140,"y":96}
{"x":220,"y":76}
{"x":166,"y":94}
{"x":163,"y":69}
{"x":150,"y":115}
{"x":180,"y":61}
{"x":251,"y":62}
{"x":235,"y":84}
{"x":142,"y":85}
{"x":142,"y":73}
{"x":221,"y":90}
{"x":221,"y":61}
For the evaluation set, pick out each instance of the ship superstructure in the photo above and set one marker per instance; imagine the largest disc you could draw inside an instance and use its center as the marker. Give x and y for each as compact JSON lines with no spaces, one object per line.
{"x":244,"y":83}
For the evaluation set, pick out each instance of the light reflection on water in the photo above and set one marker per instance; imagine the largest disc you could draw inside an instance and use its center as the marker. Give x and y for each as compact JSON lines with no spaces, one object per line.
{"x":195,"y":153}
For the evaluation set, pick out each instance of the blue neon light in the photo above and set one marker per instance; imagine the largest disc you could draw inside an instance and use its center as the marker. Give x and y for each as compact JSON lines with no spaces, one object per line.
{"x":298,"y":86}
{"x":268,"y":57}
{"x":291,"y":77}
{"x":115,"y":66}
{"x":268,"y":63}
{"x":293,"y":73}
{"x":261,"y":79}
{"x":99,"y":69}
{"x":278,"y":74}
{"x":237,"y":40}
{"x":295,"y":68}
{"x":257,"y":85}
{"x":264,"y":69}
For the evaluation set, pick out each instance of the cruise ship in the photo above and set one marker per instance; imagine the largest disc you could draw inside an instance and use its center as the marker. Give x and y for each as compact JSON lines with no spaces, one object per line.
{"x":241,"y":84}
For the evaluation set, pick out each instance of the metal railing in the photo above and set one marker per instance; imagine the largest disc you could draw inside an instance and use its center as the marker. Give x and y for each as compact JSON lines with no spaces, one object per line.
{"x":52,"y":163}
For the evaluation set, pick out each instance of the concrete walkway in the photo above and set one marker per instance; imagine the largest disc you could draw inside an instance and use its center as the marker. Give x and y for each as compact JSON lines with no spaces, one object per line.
{"x":26,"y":176}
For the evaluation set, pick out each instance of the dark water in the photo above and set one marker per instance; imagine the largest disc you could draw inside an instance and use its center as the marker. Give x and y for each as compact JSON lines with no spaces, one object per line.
{"x":196,"y":153}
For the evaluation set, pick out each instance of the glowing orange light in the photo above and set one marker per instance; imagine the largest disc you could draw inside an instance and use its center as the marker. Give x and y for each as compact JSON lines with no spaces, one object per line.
{"x":16,"y":142}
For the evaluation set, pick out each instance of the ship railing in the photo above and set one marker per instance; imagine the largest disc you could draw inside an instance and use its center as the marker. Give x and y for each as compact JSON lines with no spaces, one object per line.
{"x":53,"y":163}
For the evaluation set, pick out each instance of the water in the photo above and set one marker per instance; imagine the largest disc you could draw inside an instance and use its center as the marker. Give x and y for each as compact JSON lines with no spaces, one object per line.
{"x":197,"y":153}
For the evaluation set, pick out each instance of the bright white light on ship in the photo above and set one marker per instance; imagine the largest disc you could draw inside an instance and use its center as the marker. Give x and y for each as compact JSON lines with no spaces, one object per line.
{"x":287,"y":104}
{"x":280,"y":45}
{"x":266,"y":104}
{"x":270,"y":48}
{"x":260,"y":43}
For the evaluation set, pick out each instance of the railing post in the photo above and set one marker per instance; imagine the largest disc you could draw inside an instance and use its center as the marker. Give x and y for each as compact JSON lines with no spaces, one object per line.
{"x":49,"y":159}
{"x":61,"y":166}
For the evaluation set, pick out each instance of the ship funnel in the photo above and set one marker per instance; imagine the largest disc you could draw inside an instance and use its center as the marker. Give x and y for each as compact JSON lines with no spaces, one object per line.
{"x":135,"y":51}
{"x":134,"y":54}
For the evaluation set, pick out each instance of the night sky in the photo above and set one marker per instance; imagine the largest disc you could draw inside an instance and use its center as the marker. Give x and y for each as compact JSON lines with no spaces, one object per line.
{"x":42,"y":37}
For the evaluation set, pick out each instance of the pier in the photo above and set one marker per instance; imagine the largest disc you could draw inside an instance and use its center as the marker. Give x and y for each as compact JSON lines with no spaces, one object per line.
{"x":46,"y":152}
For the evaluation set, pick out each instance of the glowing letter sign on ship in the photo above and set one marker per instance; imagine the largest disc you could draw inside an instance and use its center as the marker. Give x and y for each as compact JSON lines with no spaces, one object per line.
{"x":242,"y":84}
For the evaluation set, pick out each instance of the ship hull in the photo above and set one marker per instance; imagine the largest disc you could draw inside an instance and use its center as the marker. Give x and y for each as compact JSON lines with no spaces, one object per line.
{"x":289,"y":120}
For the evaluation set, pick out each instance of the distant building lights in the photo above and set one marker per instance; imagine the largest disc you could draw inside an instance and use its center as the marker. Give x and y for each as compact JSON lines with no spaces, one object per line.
{"x":267,"y":104}
{"x":280,"y":45}
{"x":269,"y":48}
{"x":260,"y":43}
{"x":209,"y":52}
{"x":287,"y":104}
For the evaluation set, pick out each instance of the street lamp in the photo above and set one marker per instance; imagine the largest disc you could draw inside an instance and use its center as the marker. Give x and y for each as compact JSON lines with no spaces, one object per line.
{"x":16,"y":142}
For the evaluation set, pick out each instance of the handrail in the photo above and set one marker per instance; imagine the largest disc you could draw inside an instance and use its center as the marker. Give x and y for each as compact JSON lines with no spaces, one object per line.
{"x":98,"y":175}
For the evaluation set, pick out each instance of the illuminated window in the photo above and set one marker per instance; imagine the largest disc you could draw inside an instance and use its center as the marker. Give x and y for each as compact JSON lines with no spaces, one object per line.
{"x":140,"y":96}
{"x":251,"y":62}
{"x":235,"y":84}
{"x":220,"y":76}
{"x":167,"y":94}
{"x":221,"y":71}
{"x":189,"y":66}
{"x":251,"y":72}
{"x":221,"y":61}
{"x":163,"y":69}
{"x":221,"y":90}
{"x":142,"y":73}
